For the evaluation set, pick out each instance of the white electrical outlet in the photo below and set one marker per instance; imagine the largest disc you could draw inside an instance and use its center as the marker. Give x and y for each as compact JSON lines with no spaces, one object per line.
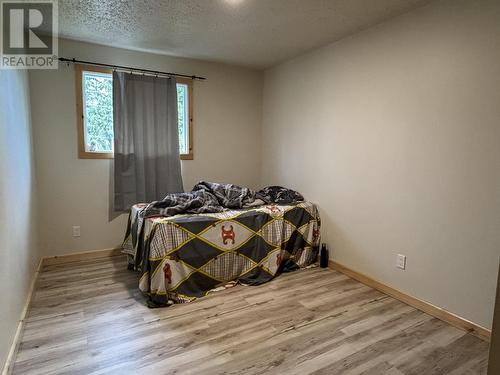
{"x":401,"y":261}
{"x":76,"y":231}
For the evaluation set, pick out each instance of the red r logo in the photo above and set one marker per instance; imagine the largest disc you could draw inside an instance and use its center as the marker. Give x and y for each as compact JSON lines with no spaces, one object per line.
{"x":167,"y":271}
{"x":273,"y":208}
{"x":227,"y":235}
{"x":315,"y":234}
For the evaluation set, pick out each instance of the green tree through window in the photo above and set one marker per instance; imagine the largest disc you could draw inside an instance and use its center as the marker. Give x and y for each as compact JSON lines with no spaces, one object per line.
{"x":98,"y":107}
{"x":182,"y":112}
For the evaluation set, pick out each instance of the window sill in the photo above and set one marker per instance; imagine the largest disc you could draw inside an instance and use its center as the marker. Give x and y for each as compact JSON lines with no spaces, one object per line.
{"x":108,"y":155}
{"x":95,"y":155}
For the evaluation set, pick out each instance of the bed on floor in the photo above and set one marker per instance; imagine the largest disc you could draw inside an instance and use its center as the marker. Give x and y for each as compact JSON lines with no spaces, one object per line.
{"x":185,"y":256}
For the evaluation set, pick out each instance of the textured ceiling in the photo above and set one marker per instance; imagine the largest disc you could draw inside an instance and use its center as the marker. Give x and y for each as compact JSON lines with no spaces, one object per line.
{"x":256,"y":33}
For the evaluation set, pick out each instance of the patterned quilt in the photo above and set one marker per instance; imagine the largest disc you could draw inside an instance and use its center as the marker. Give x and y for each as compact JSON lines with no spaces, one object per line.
{"x":183,"y":257}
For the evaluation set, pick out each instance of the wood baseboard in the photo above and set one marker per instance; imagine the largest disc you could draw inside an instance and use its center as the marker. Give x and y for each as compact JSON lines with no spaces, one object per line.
{"x":93,"y":254}
{"x":429,"y":308}
{"x":9,"y":362}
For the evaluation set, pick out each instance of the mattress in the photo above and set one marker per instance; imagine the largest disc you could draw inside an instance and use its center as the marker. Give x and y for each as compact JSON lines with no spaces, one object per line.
{"x":184,"y":257}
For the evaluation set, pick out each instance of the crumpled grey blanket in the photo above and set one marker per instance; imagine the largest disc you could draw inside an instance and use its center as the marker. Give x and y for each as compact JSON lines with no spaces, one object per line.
{"x":279,"y":195}
{"x":209,"y":197}
{"x":228,"y":195}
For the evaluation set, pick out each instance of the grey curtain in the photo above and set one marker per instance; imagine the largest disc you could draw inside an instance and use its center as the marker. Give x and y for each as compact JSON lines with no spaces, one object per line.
{"x":146,"y":163}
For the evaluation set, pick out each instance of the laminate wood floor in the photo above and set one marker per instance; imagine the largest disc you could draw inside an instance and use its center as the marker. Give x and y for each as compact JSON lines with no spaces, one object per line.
{"x":88,"y":317}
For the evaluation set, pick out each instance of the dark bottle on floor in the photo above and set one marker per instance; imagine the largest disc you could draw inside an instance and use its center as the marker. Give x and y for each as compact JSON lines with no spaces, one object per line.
{"x":323,"y":256}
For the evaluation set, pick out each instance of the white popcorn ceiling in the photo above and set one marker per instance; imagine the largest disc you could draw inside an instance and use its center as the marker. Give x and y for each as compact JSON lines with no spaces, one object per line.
{"x":254,"y":33}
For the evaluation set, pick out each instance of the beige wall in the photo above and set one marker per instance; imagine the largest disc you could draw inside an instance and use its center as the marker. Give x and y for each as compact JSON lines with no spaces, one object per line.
{"x":395,"y":132}
{"x":18,"y":239}
{"x":72,"y":191}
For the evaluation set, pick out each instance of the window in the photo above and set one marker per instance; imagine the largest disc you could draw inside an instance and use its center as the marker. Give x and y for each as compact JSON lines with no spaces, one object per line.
{"x":184,"y":110}
{"x":94,"y":94}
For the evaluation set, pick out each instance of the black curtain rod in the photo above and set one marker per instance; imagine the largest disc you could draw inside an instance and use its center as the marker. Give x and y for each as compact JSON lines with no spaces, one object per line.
{"x":74,"y":61}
